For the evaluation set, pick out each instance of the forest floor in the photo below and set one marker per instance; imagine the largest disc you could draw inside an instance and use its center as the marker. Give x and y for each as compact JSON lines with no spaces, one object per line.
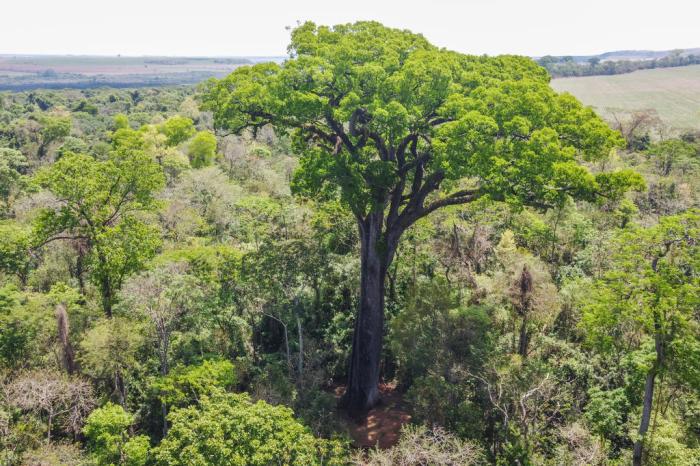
{"x":382,"y":424}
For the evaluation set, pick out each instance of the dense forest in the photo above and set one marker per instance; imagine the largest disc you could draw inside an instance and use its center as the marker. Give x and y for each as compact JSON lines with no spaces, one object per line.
{"x":236,"y":273}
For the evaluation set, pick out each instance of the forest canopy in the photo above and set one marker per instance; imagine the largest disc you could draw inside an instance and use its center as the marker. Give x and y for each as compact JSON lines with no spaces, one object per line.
{"x":238,"y":272}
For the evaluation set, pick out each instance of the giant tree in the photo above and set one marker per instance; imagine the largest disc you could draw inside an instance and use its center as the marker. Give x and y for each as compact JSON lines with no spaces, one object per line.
{"x":398,"y":128}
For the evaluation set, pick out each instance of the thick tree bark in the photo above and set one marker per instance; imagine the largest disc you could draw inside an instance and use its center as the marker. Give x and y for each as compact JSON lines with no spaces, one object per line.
{"x":363,"y":378}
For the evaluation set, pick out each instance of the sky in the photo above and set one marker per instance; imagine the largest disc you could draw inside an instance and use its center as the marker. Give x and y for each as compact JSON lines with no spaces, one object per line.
{"x":260,"y":27}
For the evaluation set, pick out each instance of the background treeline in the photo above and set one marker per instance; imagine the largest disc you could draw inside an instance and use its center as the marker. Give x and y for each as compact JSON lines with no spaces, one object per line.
{"x":561,"y":67}
{"x":161,"y":289}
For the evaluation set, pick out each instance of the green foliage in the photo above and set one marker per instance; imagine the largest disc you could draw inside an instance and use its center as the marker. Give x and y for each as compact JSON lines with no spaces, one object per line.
{"x":606,"y":411}
{"x":120,"y":121}
{"x":653,"y":287}
{"x":227,"y":429}
{"x":72,"y":145}
{"x":432,"y":315}
{"x":214,"y":269}
{"x":186,"y":385}
{"x":437,"y":401}
{"x":15,"y":244}
{"x":202,"y":149}
{"x":109,"y":349}
{"x":17,"y":334}
{"x":668,"y":447}
{"x":673,"y":154}
{"x":494,"y":119}
{"x":177,"y":130}
{"x":13,"y":165}
{"x":566,"y":66}
{"x":54,"y":127}
{"x":106,"y":431}
{"x":99,"y":202}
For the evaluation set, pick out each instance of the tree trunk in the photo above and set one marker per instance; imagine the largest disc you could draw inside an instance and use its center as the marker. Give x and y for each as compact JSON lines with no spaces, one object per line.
{"x":300,"y":369}
{"x":49,"y":423}
{"x":106,"y":296}
{"x":120,"y":388}
{"x":523,"y":343}
{"x":363,"y":377}
{"x":164,"y":370}
{"x":164,"y":413}
{"x":648,"y":402}
{"x":80,"y":270}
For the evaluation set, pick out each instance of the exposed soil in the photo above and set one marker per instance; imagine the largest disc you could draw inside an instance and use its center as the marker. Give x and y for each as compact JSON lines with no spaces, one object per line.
{"x":382,"y":424}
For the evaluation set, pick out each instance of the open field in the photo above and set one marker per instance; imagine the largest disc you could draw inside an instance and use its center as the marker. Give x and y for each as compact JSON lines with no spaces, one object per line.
{"x":19,"y":72}
{"x":673,"y":92}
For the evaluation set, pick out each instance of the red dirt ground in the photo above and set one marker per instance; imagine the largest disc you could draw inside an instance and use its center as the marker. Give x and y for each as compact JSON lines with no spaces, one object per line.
{"x":382,"y":424}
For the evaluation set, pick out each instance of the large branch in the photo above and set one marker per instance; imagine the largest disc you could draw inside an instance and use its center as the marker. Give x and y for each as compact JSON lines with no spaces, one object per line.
{"x":460,"y":197}
{"x":340,"y":132}
{"x":57,"y":238}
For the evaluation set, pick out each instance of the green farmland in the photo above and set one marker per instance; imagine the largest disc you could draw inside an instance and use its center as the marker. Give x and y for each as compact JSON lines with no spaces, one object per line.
{"x":673,"y":92}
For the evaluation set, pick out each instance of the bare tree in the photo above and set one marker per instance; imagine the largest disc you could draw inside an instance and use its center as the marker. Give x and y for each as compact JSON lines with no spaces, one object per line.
{"x":465,"y":258}
{"x":54,"y":396}
{"x":422,"y":446}
{"x":637,"y":126}
{"x":531,"y":405}
{"x":164,"y":296}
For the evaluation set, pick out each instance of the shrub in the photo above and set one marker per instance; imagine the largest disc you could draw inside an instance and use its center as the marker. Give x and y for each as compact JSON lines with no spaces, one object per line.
{"x":107,"y":437}
{"x":185,"y":385}
{"x":228,"y":429}
{"x":202,"y":149}
{"x":177,"y":129}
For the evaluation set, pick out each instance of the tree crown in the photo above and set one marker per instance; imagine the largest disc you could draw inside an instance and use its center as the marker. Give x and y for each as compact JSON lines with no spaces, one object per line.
{"x":397,"y":122}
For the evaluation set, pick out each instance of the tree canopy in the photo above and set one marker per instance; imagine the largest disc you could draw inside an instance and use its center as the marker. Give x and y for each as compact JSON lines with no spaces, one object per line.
{"x":96,"y":203}
{"x":390,"y":119}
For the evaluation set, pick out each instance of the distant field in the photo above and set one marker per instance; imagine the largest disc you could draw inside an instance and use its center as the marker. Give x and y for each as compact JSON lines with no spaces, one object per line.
{"x":22,"y":72}
{"x":673,"y":92}
{"x":91,"y":66}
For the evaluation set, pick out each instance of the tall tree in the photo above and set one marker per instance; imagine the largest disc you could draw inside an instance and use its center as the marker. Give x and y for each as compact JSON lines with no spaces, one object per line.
{"x":54,"y":128}
{"x":97,"y":205}
{"x":399,"y":128}
{"x":13,"y":164}
{"x":653,"y":290}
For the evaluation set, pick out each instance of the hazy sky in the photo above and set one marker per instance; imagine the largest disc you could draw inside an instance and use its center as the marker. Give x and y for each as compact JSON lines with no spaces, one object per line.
{"x":250,"y":27}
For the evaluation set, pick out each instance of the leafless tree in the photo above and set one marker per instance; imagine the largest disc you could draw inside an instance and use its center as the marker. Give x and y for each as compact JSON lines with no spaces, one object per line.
{"x":528,"y":404}
{"x":54,"y":396}
{"x":165,"y":296}
{"x":421,"y":446}
{"x":636,"y":124}
{"x":466,"y":257}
